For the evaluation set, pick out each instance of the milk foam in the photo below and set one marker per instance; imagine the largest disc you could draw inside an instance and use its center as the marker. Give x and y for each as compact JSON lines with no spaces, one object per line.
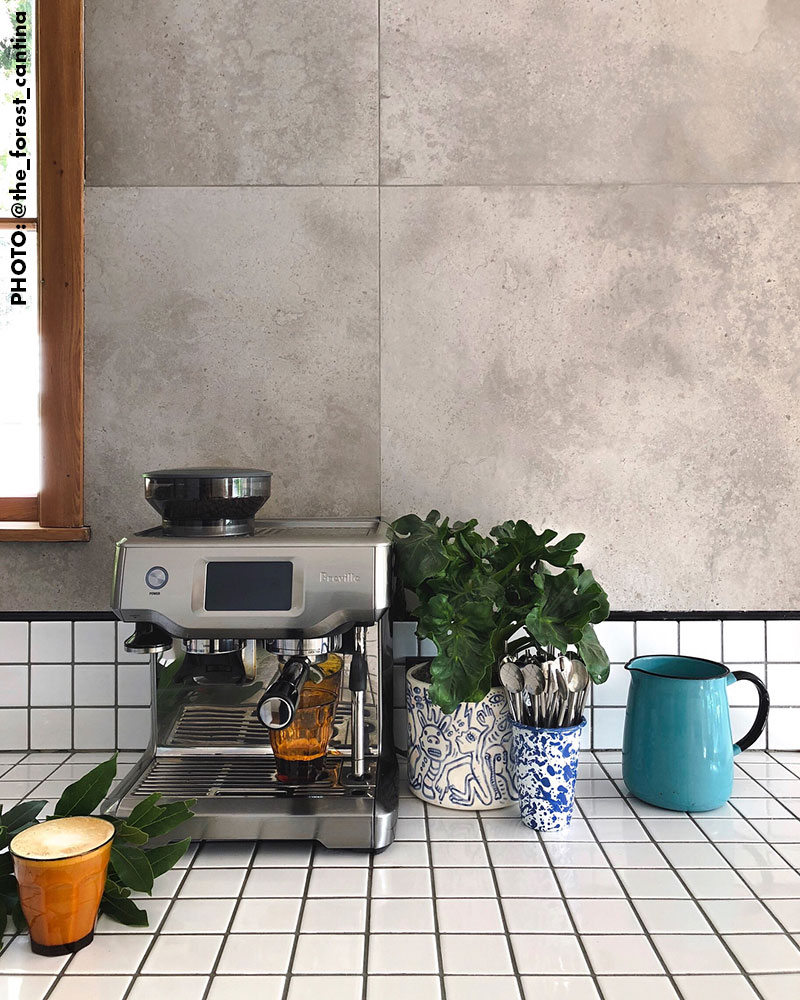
{"x":62,"y":838}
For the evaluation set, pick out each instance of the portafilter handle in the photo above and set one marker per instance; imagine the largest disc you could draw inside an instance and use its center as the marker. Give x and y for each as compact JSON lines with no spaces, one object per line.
{"x":279,"y":703}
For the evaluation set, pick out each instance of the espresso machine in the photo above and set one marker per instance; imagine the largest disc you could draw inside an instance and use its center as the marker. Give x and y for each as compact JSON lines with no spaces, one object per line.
{"x":270,"y":655}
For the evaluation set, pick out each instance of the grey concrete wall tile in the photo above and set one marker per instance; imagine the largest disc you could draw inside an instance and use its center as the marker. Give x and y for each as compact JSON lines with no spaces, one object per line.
{"x":283,"y":92}
{"x":531,"y":91}
{"x":619,"y":361}
{"x":223,"y":327}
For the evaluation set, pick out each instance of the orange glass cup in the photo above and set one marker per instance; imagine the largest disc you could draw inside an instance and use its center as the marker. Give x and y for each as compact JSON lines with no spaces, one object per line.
{"x":300,"y":748}
{"x":61,"y":870}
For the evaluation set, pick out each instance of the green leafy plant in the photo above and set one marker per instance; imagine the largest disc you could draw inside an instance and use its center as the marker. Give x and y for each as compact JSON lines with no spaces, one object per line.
{"x":474,"y":593}
{"x":133,"y":866}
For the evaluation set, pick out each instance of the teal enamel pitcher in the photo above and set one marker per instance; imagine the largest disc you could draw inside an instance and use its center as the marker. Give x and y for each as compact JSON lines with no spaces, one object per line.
{"x":678,"y":750}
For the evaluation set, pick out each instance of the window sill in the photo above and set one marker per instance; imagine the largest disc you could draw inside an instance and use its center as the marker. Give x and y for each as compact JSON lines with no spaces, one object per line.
{"x":30,"y":531}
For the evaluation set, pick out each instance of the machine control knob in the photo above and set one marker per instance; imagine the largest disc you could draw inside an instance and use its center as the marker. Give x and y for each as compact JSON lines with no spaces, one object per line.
{"x":156,"y":577}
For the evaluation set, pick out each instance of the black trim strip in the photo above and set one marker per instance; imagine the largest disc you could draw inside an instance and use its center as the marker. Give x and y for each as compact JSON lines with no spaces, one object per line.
{"x":615,"y":616}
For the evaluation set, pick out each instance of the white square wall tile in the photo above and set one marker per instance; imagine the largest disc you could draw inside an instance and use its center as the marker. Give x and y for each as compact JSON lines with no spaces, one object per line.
{"x":95,"y":729}
{"x":608,"y":727}
{"x":743,"y":693}
{"x":51,"y":642}
{"x":13,"y":642}
{"x":124,"y":630}
{"x":615,"y":690}
{"x":784,"y":729}
{"x":741,"y":721}
{"x":656,"y":637}
{"x":783,"y":641}
{"x":51,"y":684}
{"x":404,"y":640}
{"x":51,"y":728}
{"x":13,"y":728}
{"x":133,"y":684}
{"x":14,"y":685}
{"x":400,"y":726}
{"x":95,"y":642}
{"x":94,"y":683}
{"x":133,"y":728}
{"x":617,"y":640}
{"x":784,"y":683}
{"x":744,"y":641}
{"x":701,"y":638}
{"x":399,"y":685}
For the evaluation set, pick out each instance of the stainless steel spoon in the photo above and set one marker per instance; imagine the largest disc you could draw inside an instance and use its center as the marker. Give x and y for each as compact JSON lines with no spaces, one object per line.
{"x":535,"y":685}
{"x":511,"y":679}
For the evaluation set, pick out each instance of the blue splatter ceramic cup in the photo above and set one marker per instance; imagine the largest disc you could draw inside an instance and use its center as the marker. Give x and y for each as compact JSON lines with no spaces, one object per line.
{"x":545,"y":762}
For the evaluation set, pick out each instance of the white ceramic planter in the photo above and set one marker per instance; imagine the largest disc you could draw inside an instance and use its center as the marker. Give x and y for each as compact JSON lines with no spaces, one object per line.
{"x":463,"y":760}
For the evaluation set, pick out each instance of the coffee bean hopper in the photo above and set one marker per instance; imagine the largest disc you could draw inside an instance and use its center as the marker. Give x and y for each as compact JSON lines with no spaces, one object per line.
{"x":270,"y":656}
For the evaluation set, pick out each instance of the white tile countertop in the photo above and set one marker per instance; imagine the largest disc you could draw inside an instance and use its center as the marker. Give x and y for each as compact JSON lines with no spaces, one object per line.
{"x":631,"y":901}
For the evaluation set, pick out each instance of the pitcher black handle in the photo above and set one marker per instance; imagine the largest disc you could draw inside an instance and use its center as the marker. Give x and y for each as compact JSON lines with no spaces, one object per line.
{"x":757,"y":728}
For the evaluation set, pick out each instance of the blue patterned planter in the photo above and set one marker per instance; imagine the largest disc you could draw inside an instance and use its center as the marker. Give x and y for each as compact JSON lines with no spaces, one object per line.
{"x":545,"y":763}
{"x":460,"y":761}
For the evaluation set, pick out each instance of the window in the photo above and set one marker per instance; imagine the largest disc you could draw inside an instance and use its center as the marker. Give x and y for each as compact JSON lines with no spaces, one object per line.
{"x":41,"y":254}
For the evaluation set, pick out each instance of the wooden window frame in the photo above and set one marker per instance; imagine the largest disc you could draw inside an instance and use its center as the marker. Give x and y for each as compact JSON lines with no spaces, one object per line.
{"x":56,"y":515}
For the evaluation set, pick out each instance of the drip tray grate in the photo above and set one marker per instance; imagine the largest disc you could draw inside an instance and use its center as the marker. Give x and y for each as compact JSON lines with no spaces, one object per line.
{"x":218,"y":776}
{"x":238,"y":725}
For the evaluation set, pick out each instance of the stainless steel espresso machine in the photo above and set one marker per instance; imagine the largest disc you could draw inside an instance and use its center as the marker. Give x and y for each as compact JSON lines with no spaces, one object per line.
{"x":270,"y":657}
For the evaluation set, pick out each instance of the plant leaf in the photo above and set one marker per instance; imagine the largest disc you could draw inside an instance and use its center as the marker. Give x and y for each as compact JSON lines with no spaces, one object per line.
{"x":568,"y":602}
{"x":174,"y":813}
{"x":563,"y":552}
{"x":146,"y":811}
{"x":517,"y":542}
{"x":594,"y":657}
{"x":462,"y":669}
{"x":8,"y":885}
{"x":127,"y":834}
{"x":22,"y":815}
{"x":167,"y":856}
{"x":132,"y":867}
{"x":18,"y":917}
{"x":420,"y":553}
{"x":124,"y":911}
{"x":85,"y":795}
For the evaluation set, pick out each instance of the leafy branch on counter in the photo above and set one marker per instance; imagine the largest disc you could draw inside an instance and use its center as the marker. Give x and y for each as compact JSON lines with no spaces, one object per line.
{"x":133,"y":866}
{"x":474,"y":593}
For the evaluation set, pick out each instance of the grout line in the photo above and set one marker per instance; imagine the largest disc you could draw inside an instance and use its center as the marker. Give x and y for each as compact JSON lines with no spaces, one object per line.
{"x":303,"y":900}
{"x":676,"y":872}
{"x":380,"y":281}
{"x":30,"y":689}
{"x":628,"y":896}
{"x":154,"y":937}
{"x":501,"y":905}
{"x":365,"y":962}
{"x":236,"y":905}
{"x":433,"y":898}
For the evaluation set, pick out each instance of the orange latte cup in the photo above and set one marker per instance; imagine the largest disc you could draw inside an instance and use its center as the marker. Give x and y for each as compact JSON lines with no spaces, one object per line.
{"x":61,"y":871}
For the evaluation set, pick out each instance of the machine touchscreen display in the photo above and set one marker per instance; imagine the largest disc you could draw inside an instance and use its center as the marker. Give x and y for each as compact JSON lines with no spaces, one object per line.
{"x":248,"y":586}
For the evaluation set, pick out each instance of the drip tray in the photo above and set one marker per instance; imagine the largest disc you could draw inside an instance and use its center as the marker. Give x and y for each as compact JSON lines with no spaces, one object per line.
{"x":238,"y":725}
{"x":257,"y":777}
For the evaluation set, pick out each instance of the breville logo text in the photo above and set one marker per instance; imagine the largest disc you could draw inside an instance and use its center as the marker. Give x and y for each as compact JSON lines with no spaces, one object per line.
{"x":338,"y":578}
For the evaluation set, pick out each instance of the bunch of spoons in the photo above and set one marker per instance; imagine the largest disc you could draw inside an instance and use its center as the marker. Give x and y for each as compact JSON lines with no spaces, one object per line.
{"x":548,"y":694}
